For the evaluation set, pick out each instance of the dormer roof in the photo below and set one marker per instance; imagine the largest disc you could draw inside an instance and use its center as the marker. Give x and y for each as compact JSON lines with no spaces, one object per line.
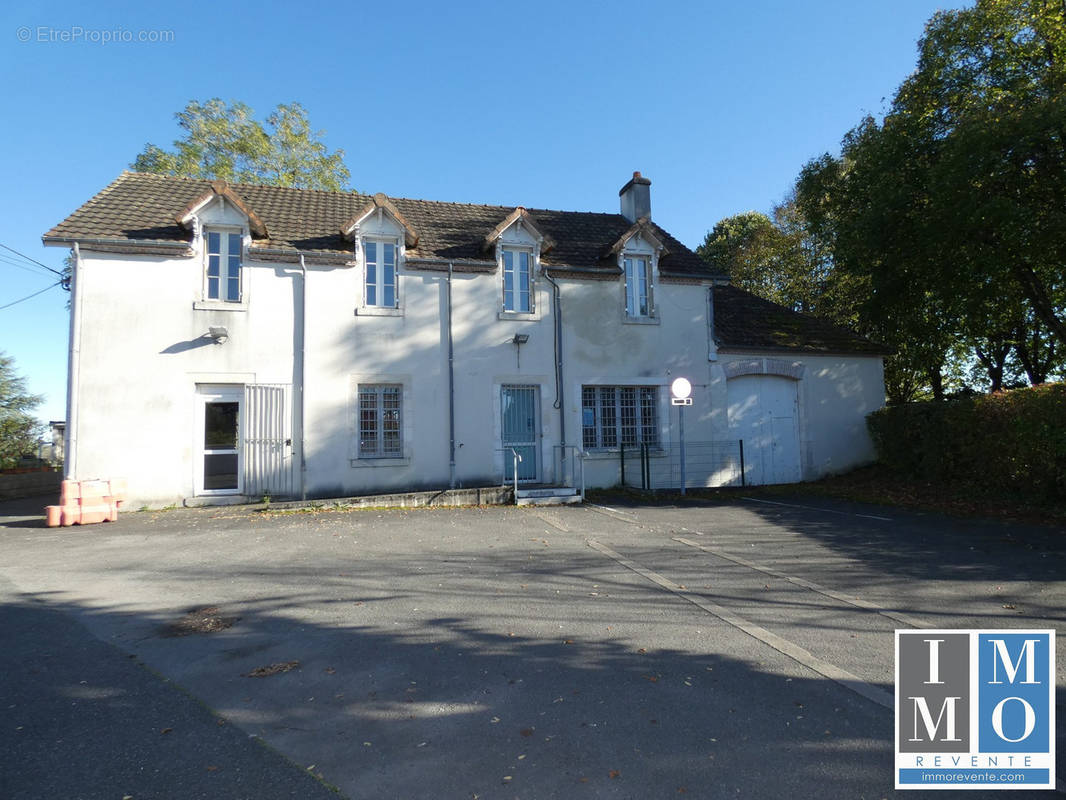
{"x":224,"y":190}
{"x":519,"y":216}
{"x":380,"y":201}
{"x":643,"y":228}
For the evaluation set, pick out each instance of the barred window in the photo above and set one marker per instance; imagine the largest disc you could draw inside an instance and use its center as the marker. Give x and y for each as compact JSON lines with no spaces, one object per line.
{"x":613,"y":415}
{"x":380,"y":432}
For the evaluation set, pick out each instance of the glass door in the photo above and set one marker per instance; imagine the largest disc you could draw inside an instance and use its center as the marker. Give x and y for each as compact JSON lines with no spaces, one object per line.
{"x":219,"y":470}
{"x":518,"y":406}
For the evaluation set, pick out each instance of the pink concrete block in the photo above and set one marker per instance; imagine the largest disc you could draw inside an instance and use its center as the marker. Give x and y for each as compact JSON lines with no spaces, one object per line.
{"x":53,"y":515}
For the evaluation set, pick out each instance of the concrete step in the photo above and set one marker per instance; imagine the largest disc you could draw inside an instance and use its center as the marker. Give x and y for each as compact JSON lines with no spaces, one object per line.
{"x":549,"y":496}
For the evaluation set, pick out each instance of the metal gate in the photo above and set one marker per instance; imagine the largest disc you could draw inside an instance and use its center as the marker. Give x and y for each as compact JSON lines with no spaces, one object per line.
{"x":267,"y":441}
{"x":518,"y":405}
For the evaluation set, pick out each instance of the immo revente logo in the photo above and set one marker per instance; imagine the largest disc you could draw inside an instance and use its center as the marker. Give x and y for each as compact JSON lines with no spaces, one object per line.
{"x":975,"y":709}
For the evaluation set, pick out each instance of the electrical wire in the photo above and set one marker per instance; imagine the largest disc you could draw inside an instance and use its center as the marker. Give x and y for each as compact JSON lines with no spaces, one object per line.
{"x":30,"y":296}
{"x":19,"y":265}
{"x":33,"y":260}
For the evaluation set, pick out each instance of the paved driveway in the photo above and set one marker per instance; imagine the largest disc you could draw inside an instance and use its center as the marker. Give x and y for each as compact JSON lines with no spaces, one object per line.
{"x":730,"y":650}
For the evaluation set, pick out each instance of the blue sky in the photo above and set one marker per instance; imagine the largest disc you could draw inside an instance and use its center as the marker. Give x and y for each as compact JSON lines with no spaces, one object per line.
{"x":549,"y":105}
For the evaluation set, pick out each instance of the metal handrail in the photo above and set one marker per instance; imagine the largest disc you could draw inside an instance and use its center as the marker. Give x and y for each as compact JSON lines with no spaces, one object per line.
{"x":580,"y":456}
{"x":514,"y":472}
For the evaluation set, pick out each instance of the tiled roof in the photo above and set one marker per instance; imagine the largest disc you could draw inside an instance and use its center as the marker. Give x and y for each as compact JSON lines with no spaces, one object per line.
{"x":142,"y":208}
{"x":744,"y":321}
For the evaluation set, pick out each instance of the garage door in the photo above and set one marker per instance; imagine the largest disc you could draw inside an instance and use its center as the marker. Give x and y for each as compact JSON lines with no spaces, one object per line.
{"x":763,"y":413}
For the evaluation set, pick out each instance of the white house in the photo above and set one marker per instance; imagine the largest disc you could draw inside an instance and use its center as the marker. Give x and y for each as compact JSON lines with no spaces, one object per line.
{"x":233,"y":341}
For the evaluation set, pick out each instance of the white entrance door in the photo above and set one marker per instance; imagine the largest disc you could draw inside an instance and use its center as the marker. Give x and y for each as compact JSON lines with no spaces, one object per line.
{"x":219,"y":467}
{"x":763,"y":412}
{"x":519,"y":410}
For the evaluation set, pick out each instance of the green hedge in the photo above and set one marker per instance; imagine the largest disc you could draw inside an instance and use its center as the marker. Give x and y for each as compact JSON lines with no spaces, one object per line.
{"x":1008,"y":442}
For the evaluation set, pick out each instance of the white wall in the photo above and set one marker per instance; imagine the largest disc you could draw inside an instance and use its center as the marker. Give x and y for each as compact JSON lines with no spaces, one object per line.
{"x":144,"y":350}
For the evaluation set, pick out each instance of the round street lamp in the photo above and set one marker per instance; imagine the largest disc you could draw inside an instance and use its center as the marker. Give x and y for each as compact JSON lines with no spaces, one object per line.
{"x":681,"y":389}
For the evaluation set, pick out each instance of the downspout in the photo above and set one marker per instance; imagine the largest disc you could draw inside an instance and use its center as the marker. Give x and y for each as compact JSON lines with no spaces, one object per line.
{"x":558,"y":312}
{"x":70,"y":446}
{"x":302,"y":374}
{"x":451,"y":387}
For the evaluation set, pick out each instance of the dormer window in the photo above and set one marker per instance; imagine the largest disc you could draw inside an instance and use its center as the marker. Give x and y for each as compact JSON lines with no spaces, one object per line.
{"x":517,"y":280}
{"x":380,"y":271}
{"x":638,"y":283}
{"x":223,"y":268}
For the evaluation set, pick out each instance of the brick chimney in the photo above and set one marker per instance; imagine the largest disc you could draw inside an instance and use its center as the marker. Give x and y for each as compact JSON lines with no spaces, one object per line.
{"x":636,"y":198}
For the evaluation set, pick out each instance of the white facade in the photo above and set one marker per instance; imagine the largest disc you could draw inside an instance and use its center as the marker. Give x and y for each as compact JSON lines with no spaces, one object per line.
{"x":304,"y":357}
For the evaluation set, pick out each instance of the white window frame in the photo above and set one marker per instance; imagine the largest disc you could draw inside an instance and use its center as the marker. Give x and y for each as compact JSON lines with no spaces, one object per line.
{"x":378,"y":306}
{"x":517,"y":252}
{"x":224,"y":393}
{"x":610,"y":444}
{"x":226,"y":235}
{"x":630,"y":275}
{"x":379,"y":391}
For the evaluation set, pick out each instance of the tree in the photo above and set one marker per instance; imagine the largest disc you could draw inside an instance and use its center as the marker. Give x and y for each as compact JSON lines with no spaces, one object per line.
{"x":225,"y":142}
{"x":777,"y":258}
{"x":953,"y":208}
{"x":988,"y":101}
{"x":19,"y":431}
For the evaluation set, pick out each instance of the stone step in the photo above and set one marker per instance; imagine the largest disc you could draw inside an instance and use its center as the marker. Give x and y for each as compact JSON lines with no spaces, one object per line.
{"x":547,"y":491}
{"x":549,"y":501}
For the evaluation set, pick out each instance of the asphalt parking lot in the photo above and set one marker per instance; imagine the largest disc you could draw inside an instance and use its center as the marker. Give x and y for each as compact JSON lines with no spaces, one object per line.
{"x":717,"y":650}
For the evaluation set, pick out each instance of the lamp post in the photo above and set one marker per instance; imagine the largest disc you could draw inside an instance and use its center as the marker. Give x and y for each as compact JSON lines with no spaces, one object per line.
{"x":681,"y":391}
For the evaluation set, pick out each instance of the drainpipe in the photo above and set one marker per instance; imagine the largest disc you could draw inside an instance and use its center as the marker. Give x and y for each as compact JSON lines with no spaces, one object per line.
{"x":70,"y":446}
{"x":451,"y":387}
{"x":558,"y":312}
{"x":303,"y":374}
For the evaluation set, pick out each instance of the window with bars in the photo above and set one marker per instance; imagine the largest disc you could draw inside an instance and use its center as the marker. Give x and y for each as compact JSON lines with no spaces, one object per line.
{"x":619,"y":415}
{"x":380,"y":260}
{"x":380,"y":420}
{"x":223,"y":266}
{"x":518,"y":281}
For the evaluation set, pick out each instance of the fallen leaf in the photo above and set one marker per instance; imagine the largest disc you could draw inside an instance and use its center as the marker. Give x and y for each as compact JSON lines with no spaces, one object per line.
{"x":212,"y":768}
{"x":330,"y":671}
{"x":613,"y":773}
{"x":272,"y":669}
{"x":651,"y":678}
{"x":527,"y":732}
{"x":166,"y":730}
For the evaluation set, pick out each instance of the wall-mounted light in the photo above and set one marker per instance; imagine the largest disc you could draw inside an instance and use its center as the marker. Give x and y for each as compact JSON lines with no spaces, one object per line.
{"x":519,"y":340}
{"x":219,"y":333}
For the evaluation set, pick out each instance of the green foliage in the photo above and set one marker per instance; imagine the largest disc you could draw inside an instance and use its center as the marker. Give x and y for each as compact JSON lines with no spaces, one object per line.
{"x":1009,"y":442}
{"x":951,"y":212}
{"x":225,"y":142}
{"x":778,"y":258}
{"x":19,"y":430}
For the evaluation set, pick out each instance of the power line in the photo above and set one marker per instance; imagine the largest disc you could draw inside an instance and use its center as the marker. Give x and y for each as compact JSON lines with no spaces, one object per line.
{"x":35,"y":261}
{"x":30,"y":296}
{"x":20,"y":265}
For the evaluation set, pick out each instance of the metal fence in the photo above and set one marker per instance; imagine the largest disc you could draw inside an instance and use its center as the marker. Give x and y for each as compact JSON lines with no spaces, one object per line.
{"x":707,"y":464}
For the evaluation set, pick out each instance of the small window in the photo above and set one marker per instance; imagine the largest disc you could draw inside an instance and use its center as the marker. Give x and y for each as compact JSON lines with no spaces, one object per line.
{"x":619,"y":415}
{"x":224,"y":266}
{"x":518,"y":281}
{"x":380,"y":259}
{"x":380,"y":431}
{"x":637,"y":283}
